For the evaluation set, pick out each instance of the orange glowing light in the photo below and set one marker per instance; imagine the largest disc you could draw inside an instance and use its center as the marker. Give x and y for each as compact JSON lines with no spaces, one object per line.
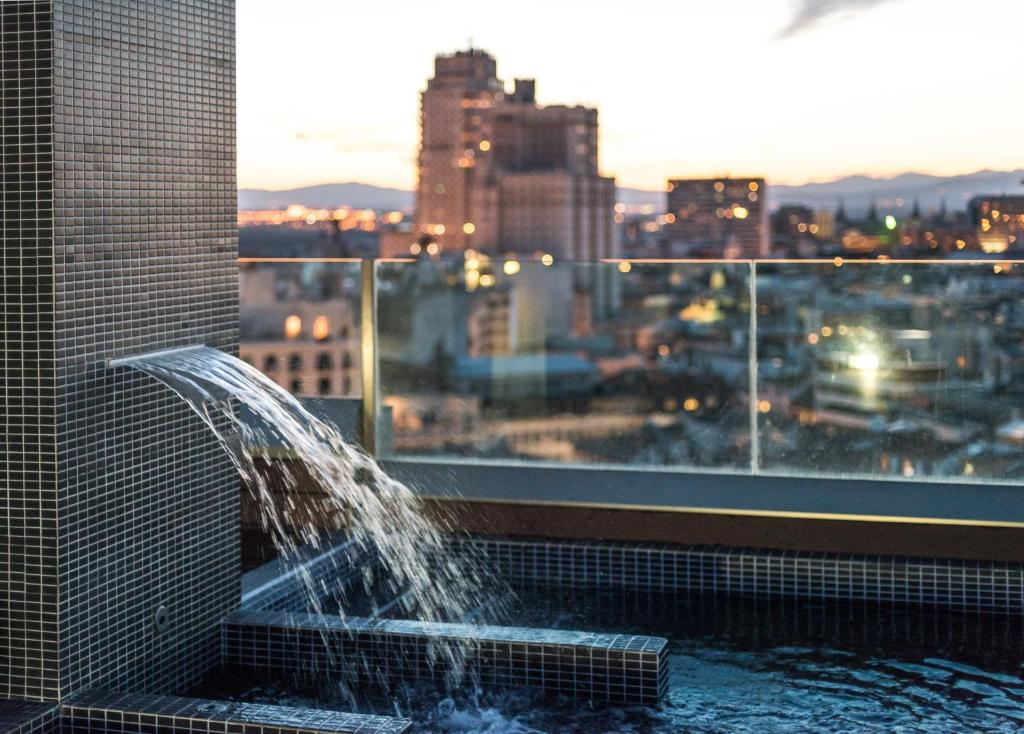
{"x":292,"y":327}
{"x":321,"y":328}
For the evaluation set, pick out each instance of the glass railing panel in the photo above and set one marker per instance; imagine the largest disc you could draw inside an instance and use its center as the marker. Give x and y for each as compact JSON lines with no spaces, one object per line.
{"x":642,"y":364}
{"x":300,"y":324}
{"x":910,"y":370}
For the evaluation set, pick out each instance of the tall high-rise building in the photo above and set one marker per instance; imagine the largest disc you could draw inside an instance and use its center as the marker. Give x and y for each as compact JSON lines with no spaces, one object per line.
{"x":455,"y":146}
{"x":726,"y":217}
{"x":500,"y":173}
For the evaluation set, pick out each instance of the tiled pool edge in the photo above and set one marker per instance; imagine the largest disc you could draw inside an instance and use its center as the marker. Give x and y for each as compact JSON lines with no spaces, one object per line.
{"x":102,"y":712}
{"x":623,"y":669}
{"x":990,"y":587}
{"x":28,"y":717}
{"x":287,"y":589}
{"x":966,"y":586}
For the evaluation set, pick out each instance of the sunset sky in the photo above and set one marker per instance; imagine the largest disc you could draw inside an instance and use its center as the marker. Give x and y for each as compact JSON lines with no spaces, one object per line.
{"x":795,"y":90}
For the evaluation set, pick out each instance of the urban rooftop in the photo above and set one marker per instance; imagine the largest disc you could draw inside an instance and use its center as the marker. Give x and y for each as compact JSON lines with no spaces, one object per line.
{"x":579,"y":433}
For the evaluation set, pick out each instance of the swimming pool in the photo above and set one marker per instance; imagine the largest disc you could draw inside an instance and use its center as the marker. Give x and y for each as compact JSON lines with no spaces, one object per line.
{"x":735,"y":665}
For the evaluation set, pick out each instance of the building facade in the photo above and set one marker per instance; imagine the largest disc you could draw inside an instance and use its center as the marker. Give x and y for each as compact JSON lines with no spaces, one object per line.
{"x":720,"y":217}
{"x":999,"y":222}
{"x":310,"y":347}
{"x":500,"y":173}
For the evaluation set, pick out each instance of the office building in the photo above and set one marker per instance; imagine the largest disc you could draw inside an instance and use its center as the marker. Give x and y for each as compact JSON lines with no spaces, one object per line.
{"x":720,"y":217}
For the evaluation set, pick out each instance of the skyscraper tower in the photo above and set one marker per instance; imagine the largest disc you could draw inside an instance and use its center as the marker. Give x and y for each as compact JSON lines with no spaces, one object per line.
{"x":500,"y":173}
{"x":455,"y":146}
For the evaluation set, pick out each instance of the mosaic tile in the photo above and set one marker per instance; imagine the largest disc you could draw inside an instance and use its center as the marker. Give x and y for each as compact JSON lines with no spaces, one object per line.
{"x":119,"y":237}
{"x":627,"y":669}
{"x":980,"y":586}
{"x":102,"y":712}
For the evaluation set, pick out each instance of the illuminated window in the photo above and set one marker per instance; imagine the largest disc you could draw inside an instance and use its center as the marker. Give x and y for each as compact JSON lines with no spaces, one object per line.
{"x":321,"y":328}
{"x":292,"y":327}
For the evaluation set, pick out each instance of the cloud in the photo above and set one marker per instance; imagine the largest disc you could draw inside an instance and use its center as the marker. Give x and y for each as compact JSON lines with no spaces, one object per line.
{"x":810,"y":12}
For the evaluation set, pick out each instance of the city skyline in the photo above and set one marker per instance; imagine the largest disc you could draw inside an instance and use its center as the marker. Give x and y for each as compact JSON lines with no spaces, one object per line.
{"x":860,"y":109}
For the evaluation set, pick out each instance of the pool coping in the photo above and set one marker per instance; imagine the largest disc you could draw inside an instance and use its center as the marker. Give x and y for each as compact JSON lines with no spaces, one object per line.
{"x":623,"y":669}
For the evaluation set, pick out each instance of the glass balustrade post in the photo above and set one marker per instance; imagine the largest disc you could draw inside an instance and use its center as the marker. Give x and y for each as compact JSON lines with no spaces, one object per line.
{"x":753,"y":402}
{"x":369,"y":356}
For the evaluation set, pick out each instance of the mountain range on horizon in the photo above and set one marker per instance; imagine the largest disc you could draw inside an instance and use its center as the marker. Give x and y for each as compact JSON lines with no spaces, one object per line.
{"x":895,"y":194}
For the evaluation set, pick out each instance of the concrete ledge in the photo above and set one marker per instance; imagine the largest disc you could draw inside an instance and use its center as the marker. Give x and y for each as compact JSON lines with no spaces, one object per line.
{"x":102,"y":712}
{"x":623,"y":669}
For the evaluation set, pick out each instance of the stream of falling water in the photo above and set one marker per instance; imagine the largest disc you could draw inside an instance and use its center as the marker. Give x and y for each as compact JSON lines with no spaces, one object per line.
{"x":378,"y":514}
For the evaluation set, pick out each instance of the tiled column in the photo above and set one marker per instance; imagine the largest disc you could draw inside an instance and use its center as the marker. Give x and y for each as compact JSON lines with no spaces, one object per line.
{"x":118,"y":147}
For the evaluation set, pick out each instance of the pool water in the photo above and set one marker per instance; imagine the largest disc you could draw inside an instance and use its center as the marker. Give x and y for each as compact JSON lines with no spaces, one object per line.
{"x":735,"y":666}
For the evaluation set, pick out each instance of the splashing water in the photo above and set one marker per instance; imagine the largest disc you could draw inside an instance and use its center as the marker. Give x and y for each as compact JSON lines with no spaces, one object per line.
{"x":378,"y":514}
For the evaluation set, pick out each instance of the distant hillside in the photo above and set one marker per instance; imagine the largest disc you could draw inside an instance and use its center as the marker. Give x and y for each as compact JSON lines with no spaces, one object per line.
{"x":856,"y":191}
{"x":327,"y":196}
{"x":859,"y":191}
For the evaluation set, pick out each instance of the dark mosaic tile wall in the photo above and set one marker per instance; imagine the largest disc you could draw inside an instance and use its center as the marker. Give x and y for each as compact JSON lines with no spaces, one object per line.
{"x":101,"y":712}
{"x":325,"y":575}
{"x":28,"y":465}
{"x":974,"y":586}
{"x":24,"y":717}
{"x":625,"y":669}
{"x":141,"y":503}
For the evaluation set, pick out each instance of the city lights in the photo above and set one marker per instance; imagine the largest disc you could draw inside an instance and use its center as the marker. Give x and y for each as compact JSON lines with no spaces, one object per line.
{"x":511,"y":267}
{"x":864,"y":361}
